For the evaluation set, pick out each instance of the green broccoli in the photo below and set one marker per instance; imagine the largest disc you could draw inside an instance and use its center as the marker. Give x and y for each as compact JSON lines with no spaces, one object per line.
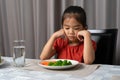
{"x":60,"y":63}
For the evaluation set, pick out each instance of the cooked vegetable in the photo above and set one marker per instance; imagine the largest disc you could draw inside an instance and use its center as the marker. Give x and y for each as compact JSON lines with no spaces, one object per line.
{"x":56,"y":63}
{"x":44,"y":62}
{"x":60,"y":63}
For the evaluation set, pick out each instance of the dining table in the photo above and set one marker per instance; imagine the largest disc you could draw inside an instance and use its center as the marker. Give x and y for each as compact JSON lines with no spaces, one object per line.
{"x":33,"y":71}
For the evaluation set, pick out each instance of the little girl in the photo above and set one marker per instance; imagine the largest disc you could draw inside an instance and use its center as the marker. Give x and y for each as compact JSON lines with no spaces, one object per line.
{"x":73,"y":41}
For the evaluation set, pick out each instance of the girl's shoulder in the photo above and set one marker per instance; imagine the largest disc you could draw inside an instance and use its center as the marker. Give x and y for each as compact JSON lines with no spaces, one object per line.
{"x":94,"y":44}
{"x":61,"y":40}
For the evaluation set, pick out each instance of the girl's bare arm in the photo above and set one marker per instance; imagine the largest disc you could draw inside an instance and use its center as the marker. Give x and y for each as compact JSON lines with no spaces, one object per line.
{"x":48,"y":50}
{"x":88,"y":52}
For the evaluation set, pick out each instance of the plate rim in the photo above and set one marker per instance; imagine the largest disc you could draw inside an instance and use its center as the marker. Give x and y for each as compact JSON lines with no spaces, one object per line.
{"x":58,"y":67}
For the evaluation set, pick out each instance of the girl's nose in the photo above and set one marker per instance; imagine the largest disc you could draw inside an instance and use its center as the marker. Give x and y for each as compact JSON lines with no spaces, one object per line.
{"x":71,"y":31}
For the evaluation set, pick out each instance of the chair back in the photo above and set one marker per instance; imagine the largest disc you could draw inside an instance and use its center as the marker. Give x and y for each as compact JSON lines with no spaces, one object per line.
{"x":106,"y":45}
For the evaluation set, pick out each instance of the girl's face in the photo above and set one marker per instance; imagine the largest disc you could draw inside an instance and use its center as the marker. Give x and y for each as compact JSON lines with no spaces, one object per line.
{"x":71,"y":27}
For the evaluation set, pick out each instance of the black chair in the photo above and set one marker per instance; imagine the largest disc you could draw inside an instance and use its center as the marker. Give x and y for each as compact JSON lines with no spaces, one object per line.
{"x":106,"y":45}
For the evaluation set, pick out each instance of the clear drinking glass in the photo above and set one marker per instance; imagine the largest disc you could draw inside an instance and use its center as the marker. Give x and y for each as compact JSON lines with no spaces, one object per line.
{"x":19,"y":53}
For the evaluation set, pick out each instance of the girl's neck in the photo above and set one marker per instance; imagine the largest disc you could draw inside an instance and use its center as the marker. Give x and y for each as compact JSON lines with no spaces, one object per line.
{"x":75,"y":43}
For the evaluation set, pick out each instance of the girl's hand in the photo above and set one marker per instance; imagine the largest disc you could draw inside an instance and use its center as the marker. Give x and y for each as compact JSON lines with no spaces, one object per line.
{"x":83,"y":34}
{"x":59,"y":33}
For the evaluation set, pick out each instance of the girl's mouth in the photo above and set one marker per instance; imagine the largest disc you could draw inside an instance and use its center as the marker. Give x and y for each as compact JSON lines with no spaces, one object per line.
{"x":71,"y":37}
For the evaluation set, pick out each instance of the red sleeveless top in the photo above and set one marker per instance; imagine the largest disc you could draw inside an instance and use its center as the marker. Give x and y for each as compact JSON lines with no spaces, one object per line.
{"x":65,"y":51}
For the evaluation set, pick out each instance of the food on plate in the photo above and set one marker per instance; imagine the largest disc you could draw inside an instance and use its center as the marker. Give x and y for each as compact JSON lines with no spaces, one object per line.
{"x":46,"y":62}
{"x":57,"y":63}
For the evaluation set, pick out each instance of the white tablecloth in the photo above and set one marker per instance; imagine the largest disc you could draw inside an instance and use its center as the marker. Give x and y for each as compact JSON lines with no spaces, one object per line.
{"x":8,"y":72}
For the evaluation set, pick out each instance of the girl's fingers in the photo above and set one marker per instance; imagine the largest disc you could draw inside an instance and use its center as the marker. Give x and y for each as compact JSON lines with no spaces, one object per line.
{"x":63,"y":35}
{"x":80,"y":38}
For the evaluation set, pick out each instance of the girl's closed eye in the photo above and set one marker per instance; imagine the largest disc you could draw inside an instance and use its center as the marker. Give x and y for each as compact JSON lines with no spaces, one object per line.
{"x":67,"y":28}
{"x":76,"y":28}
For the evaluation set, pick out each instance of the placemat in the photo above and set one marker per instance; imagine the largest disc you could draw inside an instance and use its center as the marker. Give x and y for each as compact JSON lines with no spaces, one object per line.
{"x":80,"y":70}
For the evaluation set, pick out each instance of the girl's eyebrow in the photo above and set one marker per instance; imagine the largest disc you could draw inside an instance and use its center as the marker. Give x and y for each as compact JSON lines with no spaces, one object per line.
{"x":76,"y":25}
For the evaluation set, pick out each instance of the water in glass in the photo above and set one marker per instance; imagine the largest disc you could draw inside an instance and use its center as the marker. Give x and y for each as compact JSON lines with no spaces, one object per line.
{"x":19,"y":53}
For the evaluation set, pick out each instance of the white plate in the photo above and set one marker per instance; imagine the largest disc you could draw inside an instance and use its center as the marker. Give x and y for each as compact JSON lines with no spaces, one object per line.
{"x":74,"y":63}
{"x":2,"y":61}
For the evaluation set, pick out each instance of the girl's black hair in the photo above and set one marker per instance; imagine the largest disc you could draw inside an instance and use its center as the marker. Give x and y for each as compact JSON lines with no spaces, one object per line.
{"x":79,"y":13}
